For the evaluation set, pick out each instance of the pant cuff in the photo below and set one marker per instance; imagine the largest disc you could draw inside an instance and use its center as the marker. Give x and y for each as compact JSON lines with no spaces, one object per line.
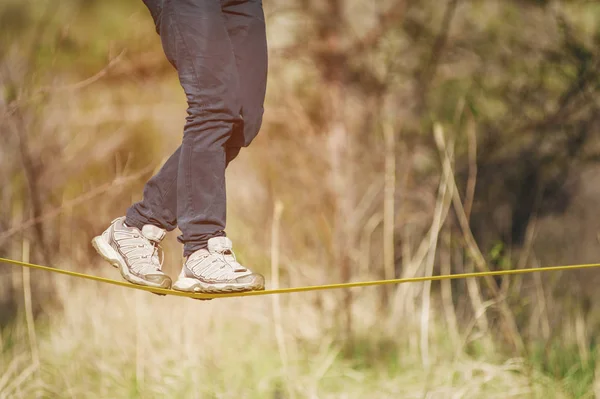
{"x":131,"y":222}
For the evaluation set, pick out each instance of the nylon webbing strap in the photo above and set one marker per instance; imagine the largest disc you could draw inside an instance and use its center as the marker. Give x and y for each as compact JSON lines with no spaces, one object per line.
{"x":301,"y":289}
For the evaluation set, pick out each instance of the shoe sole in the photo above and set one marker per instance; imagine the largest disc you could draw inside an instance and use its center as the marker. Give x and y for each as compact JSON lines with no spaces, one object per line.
{"x":114,"y":258}
{"x":198,"y":286}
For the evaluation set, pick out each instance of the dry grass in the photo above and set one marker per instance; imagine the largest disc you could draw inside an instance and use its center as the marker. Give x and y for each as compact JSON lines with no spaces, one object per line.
{"x":113,"y":342}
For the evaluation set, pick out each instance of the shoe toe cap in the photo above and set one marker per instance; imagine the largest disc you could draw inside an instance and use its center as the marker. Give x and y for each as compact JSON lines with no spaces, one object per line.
{"x":160,"y":279}
{"x":257,"y":281}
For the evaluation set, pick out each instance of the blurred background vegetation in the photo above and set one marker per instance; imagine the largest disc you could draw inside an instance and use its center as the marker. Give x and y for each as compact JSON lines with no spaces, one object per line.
{"x":401,"y":138}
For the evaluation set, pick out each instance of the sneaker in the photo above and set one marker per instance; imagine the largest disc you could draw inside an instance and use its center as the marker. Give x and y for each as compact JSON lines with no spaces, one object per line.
{"x":215,"y":270}
{"x":134,"y":252}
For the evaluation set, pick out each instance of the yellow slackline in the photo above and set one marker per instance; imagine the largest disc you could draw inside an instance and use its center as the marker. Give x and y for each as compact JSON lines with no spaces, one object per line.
{"x":300,"y":289}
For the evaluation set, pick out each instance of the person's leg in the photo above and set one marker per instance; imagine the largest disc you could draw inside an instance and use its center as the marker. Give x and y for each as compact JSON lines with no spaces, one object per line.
{"x":200,"y":50}
{"x":215,"y":269}
{"x":245,"y":23}
{"x":155,"y":8}
{"x":197,"y":44}
{"x":159,"y":204}
{"x":246,"y":28}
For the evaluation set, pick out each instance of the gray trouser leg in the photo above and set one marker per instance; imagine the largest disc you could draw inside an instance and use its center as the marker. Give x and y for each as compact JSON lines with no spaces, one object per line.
{"x":219,"y":51}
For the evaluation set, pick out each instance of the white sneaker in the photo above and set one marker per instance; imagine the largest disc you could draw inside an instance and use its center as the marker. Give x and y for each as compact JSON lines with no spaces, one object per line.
{"x":217,"y":271}
{"x":134,"y":252}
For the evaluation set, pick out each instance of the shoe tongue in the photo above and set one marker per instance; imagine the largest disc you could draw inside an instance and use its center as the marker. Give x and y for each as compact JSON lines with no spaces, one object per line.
{"x":219,"y":244}
{"x":153,"y":233}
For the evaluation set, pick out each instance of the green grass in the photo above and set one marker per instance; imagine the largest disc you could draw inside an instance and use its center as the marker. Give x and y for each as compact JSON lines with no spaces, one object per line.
{"x":564,"y":363}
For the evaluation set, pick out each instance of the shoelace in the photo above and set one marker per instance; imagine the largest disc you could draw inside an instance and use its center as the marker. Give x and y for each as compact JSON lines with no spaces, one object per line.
{"x":137,"y":261}
{"x":160,"y":253}
{"x":222,"y":257}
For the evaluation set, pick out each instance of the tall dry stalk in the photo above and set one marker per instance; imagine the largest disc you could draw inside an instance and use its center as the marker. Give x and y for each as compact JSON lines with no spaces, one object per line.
{"x":540,"y":319}
{"x":476,"y":300}
{"x":340,"y":144}
{"x":441,"y":211}
{"x":446,"y":288}
{"x":28,"y":305}
{"x":275,"y":300}
{"x":365,"y":243}
{"x":473,"y":288}
{"x":403,"y":302}
{"x":388,"y":202}
{"x":472,"y":179}
{"x":139,"y":336}
{"x":509,"y":323}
